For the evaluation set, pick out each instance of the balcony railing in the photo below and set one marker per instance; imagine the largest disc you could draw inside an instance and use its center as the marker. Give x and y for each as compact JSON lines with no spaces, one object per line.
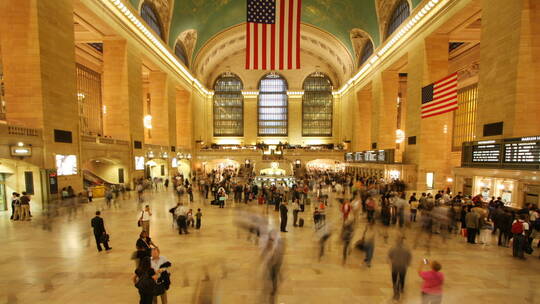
{"x":22,"y":131}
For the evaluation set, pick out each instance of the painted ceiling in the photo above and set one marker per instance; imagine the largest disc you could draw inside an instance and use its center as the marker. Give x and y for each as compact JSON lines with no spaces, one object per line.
{"x":337,"y":17}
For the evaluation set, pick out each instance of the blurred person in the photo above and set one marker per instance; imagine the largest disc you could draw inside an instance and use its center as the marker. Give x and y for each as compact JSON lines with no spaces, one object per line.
{"x":182,"y":216}
{"x":413,"y":204}
{"x":504,"y":221}
{"x":472,"y":221}
{"x":296,"y":209}
{"x":347,"y":232}
{"x":15,"y":206}
{"x":400,"y":259}
{"x":323,"y":234}
{"x":144,"y":219}
{"x":25,"y":207}
{"x":160,"y":265}
{"x":433,"y":282}
{"x":486,"y":226}
{"x":369,"y":244}
{"x":100,"y":233}
{"x":345,"y":209}
{"x":145,"y":281}
{"x":283,"y":216}
{"x":520,"y":229}
{"x":90,"y":194}
{"x":370,"y":208}
{"x":144,"y":246}
{"x":272,"y":260}
{"x":198,"y":217}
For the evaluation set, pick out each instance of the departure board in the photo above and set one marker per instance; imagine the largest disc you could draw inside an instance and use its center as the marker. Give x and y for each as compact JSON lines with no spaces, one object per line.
{"x":486,"y":153}
{"x":358,"y":156}
{"x":372,"y":156}
{"x":508,"y":153}
{"x":522,"y":150}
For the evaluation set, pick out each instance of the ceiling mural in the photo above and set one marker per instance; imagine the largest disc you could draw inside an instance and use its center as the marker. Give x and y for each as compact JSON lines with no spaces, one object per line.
{"x":337,"y":17}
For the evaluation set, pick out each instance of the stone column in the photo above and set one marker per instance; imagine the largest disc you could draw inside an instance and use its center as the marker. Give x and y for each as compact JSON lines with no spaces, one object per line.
{"x":38,"y":55}
{"x":250,"y":120}
{"x":162,"y":104}
{"x":428,"y":62}
{"x":122,"y":91}
{"x":385,"y":92}
{"x":184,"y":121}
{"x":509,"y":85}
{"x":362,"y":119}
{"x":295,"y":121}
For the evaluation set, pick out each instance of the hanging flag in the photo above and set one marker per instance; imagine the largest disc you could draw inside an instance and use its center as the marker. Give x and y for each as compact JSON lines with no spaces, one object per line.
{"x":440,"y":97}
{"x":273,"y":34}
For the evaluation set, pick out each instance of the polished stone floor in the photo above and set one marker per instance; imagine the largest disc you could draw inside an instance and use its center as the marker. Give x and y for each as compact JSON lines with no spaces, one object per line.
{"x":56,"y":262}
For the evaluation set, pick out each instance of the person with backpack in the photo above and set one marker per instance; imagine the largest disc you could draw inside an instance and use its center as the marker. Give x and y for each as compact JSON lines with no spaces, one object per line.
{"x":145,"y":281}
{"x":520,"y":228}
{"x":160,"y":265}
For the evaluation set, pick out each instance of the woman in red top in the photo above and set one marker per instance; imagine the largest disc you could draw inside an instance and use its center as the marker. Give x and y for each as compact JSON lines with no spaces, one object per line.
{"x":433,"y":282}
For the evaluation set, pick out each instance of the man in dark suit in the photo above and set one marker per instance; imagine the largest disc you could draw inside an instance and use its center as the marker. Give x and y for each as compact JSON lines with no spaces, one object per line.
{"x":283,"y":214}
{"x":99,"y":232}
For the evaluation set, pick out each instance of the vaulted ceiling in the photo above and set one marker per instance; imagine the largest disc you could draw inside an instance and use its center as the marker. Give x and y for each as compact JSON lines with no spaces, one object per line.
{"x":337,"y":17}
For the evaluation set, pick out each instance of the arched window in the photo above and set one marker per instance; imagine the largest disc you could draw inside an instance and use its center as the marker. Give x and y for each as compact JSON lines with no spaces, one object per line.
{"x":273,"y":119}
{"x":228,"y":106}
{"x":367,"y":51}
{"x":180,"y":52}
{"x":317,"y":106}
{"x":150,"y":16}
{"x":401,"y":12}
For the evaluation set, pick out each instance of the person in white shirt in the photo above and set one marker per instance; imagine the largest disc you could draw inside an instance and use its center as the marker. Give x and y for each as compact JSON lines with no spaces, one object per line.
{"x":160,"y":264}
{"x":181,"y":215}
{"x":296,"y":209}
{"x":144,"y":219}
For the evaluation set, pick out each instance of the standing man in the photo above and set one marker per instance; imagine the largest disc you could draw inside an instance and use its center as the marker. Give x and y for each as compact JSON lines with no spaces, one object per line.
{"x":15,"y":206}
{"x":283,"y":214}
{"x":25,"y":207}
{"x":295,"y":210}
{"x":472,"y":221}
{"x":145,"y":219}
{"x":400,"y":259}
{"x":99,"y":232}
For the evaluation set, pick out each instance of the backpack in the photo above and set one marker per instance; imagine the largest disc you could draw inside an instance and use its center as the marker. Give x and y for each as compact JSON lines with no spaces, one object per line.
{"x":517,"y":227}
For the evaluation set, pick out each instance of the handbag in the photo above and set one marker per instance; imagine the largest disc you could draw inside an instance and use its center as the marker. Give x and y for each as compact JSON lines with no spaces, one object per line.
{"x":105,"y":238}
{"x":139,"y":222}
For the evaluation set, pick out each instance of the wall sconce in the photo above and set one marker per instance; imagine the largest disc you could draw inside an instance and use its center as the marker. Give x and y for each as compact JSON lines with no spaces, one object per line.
{"x":150,"y":154}
{"x":400,"y":136}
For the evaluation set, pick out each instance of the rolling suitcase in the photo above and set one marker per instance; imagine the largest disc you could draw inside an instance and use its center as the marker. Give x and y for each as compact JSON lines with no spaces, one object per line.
{"x":301,"y":222}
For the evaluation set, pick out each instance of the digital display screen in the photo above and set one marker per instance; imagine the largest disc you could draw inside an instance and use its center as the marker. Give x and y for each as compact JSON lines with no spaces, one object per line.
{"x":139,"y":162}
{"x":359,"y":156}
{"x":349,"y":157}
{"x":381,"y":156}
{"x":66,"y":164}
{"x":490,"y":153}
{"x":522,"y":151}
{"x":370,"y":156}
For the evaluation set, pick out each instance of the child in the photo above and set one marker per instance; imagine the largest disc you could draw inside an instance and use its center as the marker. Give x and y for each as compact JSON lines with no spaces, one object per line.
{"x":198,"y":216}
{"x":190,"y":220}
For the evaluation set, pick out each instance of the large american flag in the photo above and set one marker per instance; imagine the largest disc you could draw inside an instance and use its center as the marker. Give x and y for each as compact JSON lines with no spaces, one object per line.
{"x":440,"y":97}
{"x":273,"y":34}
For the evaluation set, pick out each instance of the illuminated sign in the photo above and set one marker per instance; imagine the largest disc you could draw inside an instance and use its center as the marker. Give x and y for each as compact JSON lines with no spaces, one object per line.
{"x":21,"y":151}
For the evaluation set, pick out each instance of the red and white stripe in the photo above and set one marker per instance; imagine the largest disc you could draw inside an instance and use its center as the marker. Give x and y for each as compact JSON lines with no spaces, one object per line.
{"x":276,"y":46}
{"x":444,"y":97}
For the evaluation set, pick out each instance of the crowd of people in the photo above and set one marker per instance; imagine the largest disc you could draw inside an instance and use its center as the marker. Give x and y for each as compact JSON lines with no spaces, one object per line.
{"x":368,"y":208}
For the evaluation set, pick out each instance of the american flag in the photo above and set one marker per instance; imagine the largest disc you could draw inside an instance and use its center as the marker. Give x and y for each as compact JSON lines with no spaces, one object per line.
{"x":273,"y":34}
{"x":440,"y":97}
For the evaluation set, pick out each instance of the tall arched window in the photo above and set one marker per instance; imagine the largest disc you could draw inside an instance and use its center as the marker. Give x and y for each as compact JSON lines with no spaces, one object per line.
{"x":273,"y":119}
{"x":151,"y":17}
{"x":367,"y":51}
{"x":317,"y":106}
{"x":180,"y":52}
{"x":401,"y":12}
{"x":228,"y":106}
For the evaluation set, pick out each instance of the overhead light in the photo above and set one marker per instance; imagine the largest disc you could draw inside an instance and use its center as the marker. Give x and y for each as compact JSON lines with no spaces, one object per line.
{"x":20,"y":144}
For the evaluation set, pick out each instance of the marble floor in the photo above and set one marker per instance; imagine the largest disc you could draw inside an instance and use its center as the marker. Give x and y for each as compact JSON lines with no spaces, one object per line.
{"x":56,"y":262}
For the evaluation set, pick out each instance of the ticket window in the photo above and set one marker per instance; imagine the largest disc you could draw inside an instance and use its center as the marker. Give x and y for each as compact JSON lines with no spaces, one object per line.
{"x":504,"y":190}
{"x":484,"y":187}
